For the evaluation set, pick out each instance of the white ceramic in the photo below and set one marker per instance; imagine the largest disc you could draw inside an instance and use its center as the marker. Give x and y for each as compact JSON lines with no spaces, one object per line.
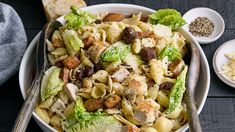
{"x":219,"y":59}
{"x":214,"y":16}
{"x":28,"y":61}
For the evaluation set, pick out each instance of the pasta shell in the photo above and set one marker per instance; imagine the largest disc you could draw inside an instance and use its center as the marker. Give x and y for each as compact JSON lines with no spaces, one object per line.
{"x":123,"y":120}
{"x":162,"y":99}
{"x":153,"y":92}
{"x":101,"y":76}
{"x":110,"y":84}
{"x":126,"y":106}
{"x":113,"y":66}
{"x":99,"y":90}
{"x":132,"y":120}
{"x":85,"y":60}
{"x":47,"y":103}
{"x":59,"y":52}
{"x":50,"y":46}
{"x":118,"y":88}
{"x":87,"y":83}
{"x":156,"y":70}
{"x":183,"y":117}
{"x":133,"y":20}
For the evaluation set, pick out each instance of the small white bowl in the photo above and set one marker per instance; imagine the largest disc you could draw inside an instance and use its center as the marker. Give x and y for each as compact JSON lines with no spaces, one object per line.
{"x":214,"y":16}
{"x":219,"y":59}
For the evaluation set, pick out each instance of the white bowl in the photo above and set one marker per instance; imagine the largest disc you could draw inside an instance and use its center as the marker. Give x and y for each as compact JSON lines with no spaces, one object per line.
{"x":28,"y":61}
{"x":215,"y":17}
{"x":219,"y":59}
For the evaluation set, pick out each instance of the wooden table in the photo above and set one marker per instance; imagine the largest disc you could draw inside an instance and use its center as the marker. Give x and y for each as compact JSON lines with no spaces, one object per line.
{"x":218,"y":114}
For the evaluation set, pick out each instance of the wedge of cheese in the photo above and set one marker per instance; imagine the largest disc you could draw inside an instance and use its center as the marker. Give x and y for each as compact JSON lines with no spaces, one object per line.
{"x":57,"y":8}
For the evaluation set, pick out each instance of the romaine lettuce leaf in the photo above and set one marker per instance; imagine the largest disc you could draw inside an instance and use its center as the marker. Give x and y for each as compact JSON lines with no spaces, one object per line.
{"x":51,"y":83}
{"x":78,"y":18}
{"x":84,"y":121}
{"x":168,"y":17}
{"x":116,"y":52}
{"x":72,"y":42}
{"x":171,"y":52}
{"x":177,"y":91}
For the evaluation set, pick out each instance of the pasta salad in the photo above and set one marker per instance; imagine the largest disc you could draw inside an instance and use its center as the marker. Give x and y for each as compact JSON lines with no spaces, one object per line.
{"x":115,"y":73}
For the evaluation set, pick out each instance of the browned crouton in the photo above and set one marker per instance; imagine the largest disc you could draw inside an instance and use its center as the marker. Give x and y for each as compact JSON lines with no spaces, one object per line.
{"x":88,"y":42}
{"x":111,"y":17}
{"x":94,"y":104}
{"x":71,"y":62}
{"x":64,"y":75}
{"x":112,"y":101}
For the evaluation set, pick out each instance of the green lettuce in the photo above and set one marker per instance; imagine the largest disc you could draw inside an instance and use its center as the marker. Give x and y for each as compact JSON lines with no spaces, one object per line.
{"x":116,"y":52}
{"x":51,"y":83}
{"x":171,"y":52}
{"x":177,"y":91}
{"x":168,"y":17}
{"x":83,"y":121}
{"x":72,"y":42}
{"x":78,"y":18}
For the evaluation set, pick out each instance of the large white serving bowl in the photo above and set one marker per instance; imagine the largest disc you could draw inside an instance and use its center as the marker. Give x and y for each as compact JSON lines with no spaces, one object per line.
{"x":28,"y":62}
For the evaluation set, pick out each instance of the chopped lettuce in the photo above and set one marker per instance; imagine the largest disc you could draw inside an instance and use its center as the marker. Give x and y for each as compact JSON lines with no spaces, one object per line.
{"x":84,"y":121}
{"x":116,"y":52}
{"x":171,"y":52}
{"x":177,"y":91}
{"x":72,"y":42}
{"x":168,"y":17}
{"x":78,"y":18}
{"x":51,"y":83}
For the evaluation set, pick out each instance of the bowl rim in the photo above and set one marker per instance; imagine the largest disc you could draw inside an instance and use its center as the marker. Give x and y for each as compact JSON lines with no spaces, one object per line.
{"x":216,"y":68}
{"x":207,"y":41}
{"x":32,"y":44}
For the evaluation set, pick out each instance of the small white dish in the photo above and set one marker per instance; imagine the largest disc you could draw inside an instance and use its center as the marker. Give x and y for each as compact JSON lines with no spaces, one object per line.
{"x":214,"y":16}
{"x":219,"y":59}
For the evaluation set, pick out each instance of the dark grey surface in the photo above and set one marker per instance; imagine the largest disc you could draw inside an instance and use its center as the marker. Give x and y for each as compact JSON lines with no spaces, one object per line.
{"x":218,"y":114}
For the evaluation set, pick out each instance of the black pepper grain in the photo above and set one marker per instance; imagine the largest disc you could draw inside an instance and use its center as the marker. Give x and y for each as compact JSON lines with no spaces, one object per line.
{"x":201,"y":27}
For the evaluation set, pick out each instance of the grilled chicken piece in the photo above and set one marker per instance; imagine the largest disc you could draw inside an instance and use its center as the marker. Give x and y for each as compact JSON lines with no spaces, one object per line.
{"x":137,"y":83}
{"x":95,"y":51}
{"x":71,"y":90}
{"x":120,"y":75}
{"x":94,"y":104}
{"x":58,"y":107}
{"x":144,"y":113}
{"x":111,"y":17}
{"x":130,"y":128}
{"x":176,"y":67}
{"x":71,"y":62}
{"x":112,"y":101}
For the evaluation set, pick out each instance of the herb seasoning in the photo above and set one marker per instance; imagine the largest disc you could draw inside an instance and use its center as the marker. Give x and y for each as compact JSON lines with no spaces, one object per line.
{"x":201,"y":27}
